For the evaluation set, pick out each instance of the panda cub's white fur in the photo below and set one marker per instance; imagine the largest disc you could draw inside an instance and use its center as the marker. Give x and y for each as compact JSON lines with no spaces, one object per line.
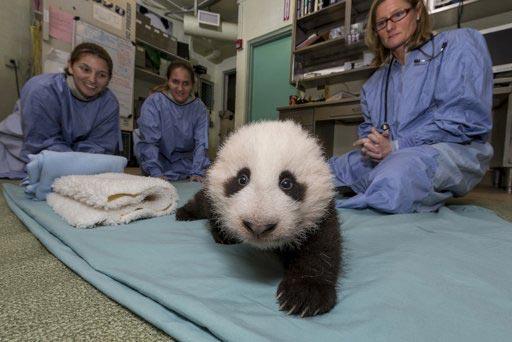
{"x":271,"y":187}
{"x":266,"y":149}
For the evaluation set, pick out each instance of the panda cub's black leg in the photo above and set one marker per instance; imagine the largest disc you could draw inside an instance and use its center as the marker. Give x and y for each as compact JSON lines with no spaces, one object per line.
{"x":219,"y":236}
{"x":195,"y":209}
{"x":198,"y":208}
{"x":309,"y":286}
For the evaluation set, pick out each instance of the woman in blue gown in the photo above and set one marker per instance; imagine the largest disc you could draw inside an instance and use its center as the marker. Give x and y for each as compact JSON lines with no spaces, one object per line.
{"x":72,"y":111}
{"x":173,"y":129}
{"x":427,"y":114}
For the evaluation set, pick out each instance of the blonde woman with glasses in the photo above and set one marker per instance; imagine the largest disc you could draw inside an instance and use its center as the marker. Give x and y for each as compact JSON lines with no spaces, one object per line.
{"x":427,"y":114}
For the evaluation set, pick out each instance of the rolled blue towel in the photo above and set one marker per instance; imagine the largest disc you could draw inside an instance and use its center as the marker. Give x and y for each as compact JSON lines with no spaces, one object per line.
{"x":45,"y":167}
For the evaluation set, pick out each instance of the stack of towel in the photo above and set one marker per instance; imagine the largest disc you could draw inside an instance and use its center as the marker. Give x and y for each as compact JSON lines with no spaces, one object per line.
{"x":45,"y":167}
{"x":85,"y":201}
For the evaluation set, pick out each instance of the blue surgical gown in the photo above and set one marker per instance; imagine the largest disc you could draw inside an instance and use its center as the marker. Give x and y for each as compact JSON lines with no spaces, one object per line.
{"x":53,"y":119}
{"x":173,"y":138}
{"x":439,"y":111}
{"x":11,"y":141}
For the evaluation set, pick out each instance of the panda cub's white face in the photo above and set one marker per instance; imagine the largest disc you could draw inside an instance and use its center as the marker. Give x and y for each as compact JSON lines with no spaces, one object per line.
{"x":270,"y":184}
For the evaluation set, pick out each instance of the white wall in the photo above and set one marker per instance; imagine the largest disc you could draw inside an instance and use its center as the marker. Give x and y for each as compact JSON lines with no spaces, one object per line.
{"x":218,"y":101}
{"x":14,"y":43}
{"x":255,"y":19}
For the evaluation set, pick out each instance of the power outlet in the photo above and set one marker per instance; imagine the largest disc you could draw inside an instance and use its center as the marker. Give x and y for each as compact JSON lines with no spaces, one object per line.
{"x":8,"y":62}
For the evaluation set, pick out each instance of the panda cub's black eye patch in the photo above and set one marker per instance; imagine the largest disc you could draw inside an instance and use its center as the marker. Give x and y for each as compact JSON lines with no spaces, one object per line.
{"x":289,"y":185}
{"x":238,"y":182}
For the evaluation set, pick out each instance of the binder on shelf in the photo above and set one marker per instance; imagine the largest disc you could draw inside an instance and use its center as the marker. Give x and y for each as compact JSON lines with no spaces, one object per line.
{"x":317,"y":37}
{"x":310,"y":40}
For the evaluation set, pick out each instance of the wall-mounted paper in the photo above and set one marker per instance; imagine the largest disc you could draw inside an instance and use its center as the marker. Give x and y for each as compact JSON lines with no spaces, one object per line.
{"x":107,"y":16}
{"x":61,"y":25}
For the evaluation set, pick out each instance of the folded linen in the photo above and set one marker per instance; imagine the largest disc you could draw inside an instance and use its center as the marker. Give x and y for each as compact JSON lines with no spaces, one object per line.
{"x":45,"y":167}
{"x":85,"y":201}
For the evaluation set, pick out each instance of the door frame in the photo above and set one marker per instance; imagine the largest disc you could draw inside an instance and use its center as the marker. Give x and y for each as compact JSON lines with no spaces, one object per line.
{"x":252,"y":44}
{"x":225,"y":75}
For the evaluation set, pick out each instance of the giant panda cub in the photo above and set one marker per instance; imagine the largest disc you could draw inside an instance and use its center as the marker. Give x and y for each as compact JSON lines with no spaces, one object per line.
{"x":270,"y":187}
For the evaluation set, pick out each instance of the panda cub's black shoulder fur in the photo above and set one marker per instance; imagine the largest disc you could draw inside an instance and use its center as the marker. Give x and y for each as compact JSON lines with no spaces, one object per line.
{"x":270,"y":187}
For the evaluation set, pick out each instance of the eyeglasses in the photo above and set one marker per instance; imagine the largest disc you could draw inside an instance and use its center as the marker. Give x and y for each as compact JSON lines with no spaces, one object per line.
{"x":395,"y":17}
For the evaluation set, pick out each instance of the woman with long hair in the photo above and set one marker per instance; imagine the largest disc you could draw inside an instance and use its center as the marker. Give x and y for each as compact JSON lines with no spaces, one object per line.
{"x":72,"y":111}
{"x":173,"y":129}
{"x":427,"y":114}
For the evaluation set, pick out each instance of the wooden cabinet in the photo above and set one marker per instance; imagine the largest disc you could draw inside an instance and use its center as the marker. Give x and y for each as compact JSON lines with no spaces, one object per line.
{"x":304,"y":117}
{"x":501,"y":138}
{"x":502,"y":123}
{"x":320,"y":118}
{"x":349,"y":110}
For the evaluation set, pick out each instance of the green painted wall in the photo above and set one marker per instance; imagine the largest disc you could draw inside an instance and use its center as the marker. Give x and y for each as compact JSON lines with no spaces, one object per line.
{"x":270,"y":74}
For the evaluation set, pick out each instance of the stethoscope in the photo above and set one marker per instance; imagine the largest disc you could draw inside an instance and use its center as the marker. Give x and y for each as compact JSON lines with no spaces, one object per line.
{"x":385,"y":125}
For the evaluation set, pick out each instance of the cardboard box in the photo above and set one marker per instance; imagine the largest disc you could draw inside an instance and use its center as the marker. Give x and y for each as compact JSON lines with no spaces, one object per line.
{"x":170,"y":44}
{"x":140,"y":56}
{"x":153,"y":36}
{"x":157,"y":38}
{"x":142,"y":18}
{"x":143,"y":28}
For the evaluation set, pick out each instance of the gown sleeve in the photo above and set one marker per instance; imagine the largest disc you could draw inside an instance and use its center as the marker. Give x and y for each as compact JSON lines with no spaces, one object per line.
{"x":41,"y":121}
{"x":200,"y":159}
{"x":463,"y":100}
{"x":365,"y":127}
{"x":150,"y":135}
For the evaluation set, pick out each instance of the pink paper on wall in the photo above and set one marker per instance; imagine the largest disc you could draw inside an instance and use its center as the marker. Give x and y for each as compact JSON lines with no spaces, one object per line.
{"x":37,"y":5}
{"x":61,"y":25}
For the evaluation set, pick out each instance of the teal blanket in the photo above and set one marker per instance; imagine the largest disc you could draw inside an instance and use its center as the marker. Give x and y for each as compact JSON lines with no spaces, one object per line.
{"x":443,"y":276}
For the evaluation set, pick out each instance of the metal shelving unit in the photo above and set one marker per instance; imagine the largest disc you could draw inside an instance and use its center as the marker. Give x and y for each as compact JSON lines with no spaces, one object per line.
{"x":168,"y":53}
{"x":324,"y":17}
{"x":446,"y":16}
{"x":329,"y":53}
{"x":148,"y":75}
{"x":337,"y":77}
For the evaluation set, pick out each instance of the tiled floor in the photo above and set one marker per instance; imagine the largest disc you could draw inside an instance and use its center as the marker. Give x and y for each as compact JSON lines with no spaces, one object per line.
{"x":486,"y":196}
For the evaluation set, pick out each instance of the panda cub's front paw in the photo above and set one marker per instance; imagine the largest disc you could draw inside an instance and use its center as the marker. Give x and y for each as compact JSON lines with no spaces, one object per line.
{"x":305,"y":298}
{"x":182,"y":214}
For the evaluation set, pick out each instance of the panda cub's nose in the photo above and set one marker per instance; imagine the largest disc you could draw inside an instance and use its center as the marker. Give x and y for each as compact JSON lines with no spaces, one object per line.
{"x":259,"y":229}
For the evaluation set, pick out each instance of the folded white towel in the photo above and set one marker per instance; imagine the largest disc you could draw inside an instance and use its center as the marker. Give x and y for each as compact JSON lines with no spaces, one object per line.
{"x":86,"y":201}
